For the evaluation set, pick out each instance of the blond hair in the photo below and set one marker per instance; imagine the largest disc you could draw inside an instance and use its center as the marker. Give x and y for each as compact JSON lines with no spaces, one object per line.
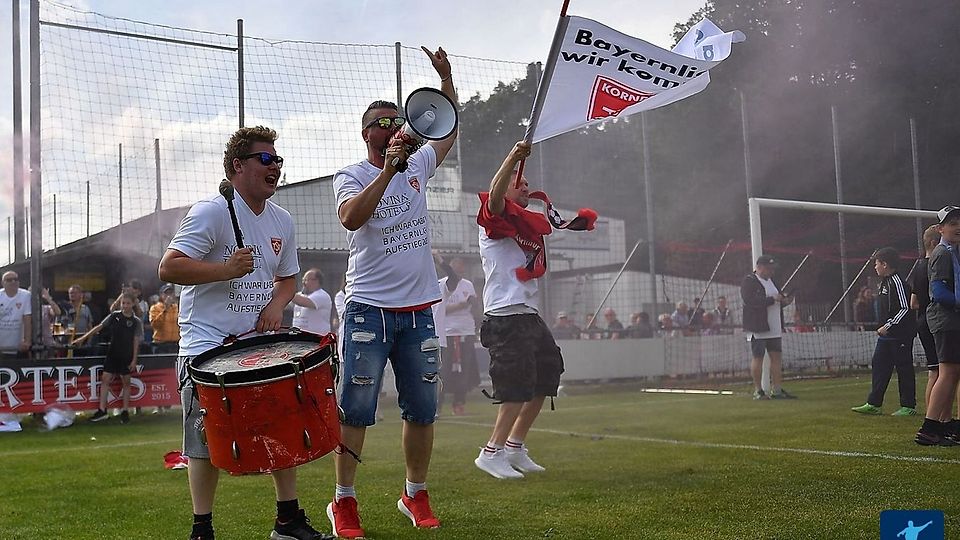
{"x":931,"y":237}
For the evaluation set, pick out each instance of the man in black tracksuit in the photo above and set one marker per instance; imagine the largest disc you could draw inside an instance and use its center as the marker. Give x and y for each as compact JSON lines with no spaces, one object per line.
{"x":895,"y":339}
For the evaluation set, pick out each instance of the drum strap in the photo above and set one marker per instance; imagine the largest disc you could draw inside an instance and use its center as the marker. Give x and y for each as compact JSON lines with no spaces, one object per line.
{"x":341,"y":448}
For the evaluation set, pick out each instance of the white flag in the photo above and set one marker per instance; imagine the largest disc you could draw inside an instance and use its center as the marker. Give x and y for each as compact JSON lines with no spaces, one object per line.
{"x":600,"y":73}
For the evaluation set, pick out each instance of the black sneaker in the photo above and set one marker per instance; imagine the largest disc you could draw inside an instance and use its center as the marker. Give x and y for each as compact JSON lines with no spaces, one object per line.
{"x":99,"y":415}
{"x":297,"y":528}
{"x":202,"y":533}
{"x":124,"y":417}
{"x":782,"y":394}
{"x":760,"y":394}
{"x":926,"y":438}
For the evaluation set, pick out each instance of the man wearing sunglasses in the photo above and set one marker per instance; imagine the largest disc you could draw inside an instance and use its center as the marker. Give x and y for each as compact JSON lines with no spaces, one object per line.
{"x":391,"y":284}
{"x":231,"y":291}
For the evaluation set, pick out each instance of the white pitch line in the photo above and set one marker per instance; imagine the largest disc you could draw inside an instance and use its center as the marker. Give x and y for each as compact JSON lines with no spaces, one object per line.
{"x":60,"y":449}
{"x":728,"y":446}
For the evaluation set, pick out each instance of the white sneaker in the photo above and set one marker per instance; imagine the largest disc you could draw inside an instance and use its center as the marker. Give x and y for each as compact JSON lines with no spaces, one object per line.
{"x":519,"y":460}
{"x":496,"y":465}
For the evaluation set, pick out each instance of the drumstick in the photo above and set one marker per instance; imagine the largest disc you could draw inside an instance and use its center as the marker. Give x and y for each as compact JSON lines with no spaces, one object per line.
{"x":226,"y":189}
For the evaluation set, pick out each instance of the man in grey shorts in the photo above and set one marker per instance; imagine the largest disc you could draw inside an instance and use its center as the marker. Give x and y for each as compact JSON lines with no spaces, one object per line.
{"x":230,"y":291}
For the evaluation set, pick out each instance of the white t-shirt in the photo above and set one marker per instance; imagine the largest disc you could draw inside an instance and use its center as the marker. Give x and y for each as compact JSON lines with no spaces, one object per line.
{"x":500,"y":259}
{"x":314,"y":320}
{"x":773,"y":313}
{"x":390,"y":263}
{"x":12,"y":311}
{"x":458,"y":322}
{"x":440,"y":316}
{"x":340,"y":301}
{"x":212,"y":311}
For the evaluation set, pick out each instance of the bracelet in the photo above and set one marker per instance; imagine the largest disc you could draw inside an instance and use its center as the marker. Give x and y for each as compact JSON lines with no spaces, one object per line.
{"x":447,"y":78}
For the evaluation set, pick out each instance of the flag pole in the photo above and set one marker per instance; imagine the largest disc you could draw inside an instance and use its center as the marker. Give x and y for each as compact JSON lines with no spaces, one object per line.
{"x":544,"y":83}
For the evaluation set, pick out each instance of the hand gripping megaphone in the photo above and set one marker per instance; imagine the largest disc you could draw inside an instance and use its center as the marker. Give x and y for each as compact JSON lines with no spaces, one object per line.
{"x":430,"y":115}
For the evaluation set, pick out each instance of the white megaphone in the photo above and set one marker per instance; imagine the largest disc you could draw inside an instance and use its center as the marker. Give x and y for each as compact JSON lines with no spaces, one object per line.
{"x":430,"y":115}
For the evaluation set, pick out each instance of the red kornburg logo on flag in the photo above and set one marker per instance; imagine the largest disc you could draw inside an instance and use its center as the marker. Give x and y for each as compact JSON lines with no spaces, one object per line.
{"x":415,"y":183}
{"x":276,"y":244}
{"x":609,"y":98}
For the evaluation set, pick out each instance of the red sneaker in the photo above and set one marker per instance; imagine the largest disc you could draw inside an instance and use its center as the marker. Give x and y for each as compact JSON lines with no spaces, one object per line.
{"x":417,"y":508}
{"x":344,"y":518}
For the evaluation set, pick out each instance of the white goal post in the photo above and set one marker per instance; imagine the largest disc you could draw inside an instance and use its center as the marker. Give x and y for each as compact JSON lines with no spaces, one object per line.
{"x":755,"y":203}
{"x":756,"y":237}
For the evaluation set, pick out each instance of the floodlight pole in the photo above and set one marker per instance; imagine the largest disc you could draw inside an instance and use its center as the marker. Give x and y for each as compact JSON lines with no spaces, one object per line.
{"x":36,"y":186}
{"x":19,"y":220}
{"x":744,"y":125}
{"x":240,"y":90}
{"x":398,"y":66}
{"x":648,"y":203}
{"x":840,"y":221}
{"x":916,"y":183}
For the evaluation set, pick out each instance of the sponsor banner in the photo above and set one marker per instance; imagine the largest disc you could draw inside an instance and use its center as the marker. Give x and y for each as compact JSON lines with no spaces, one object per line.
{"x":600,"y":73}
{"x":444,"y":189}
{"x":28,"y":386}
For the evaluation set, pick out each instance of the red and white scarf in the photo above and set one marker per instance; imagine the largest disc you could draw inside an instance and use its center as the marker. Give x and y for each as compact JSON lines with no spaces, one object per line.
{"x":527,"y":228}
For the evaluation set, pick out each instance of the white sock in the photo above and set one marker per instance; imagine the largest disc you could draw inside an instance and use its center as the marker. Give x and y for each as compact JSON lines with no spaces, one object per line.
{"x":514,"y":445}
{"x":344,"y":491}
{"x":491,"y":448}
{"x":413,"y":488}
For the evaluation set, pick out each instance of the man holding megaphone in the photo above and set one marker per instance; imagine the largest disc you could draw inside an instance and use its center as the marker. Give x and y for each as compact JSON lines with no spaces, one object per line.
{"x":391,"y":284}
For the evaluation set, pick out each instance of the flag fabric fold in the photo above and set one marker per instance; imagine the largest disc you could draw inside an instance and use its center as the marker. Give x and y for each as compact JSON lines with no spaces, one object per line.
{"x":600,"y":73}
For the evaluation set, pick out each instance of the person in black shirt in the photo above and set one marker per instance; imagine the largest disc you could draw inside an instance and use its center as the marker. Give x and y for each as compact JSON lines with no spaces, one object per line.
{"x":894,"y":339}
{"x":919,"y":281}
{"x":614,"y":326}
{"x":126,"y":333}
{"x":640,"y":327}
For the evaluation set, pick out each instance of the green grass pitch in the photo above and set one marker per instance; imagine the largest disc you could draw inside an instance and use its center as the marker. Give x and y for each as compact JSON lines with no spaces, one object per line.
{"x":620,"y":464}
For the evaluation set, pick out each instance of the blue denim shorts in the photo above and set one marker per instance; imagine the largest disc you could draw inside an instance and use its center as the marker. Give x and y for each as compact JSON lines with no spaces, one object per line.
{"x":371,"y":335}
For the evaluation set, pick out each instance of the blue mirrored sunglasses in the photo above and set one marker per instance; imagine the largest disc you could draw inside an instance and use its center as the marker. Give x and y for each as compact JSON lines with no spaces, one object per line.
{"x":266,"y":158}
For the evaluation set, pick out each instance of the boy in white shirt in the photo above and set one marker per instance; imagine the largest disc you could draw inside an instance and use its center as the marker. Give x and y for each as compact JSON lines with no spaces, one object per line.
{"x":525,"y":362}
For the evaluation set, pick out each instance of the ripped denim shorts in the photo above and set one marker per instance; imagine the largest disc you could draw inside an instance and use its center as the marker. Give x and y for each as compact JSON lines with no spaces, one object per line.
{"x":371,"y":335}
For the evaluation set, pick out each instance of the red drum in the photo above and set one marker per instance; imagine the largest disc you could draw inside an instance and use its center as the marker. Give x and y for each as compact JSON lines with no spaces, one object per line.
{"x":268,"y":402}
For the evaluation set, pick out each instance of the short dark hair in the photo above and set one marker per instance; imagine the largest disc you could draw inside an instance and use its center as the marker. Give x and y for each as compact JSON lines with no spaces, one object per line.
{"x":368,"y":115}
{"x":889,"y":256}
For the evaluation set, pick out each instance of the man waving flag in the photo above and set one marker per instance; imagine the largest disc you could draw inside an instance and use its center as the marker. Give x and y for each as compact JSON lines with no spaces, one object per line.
{"x":595,"y":72}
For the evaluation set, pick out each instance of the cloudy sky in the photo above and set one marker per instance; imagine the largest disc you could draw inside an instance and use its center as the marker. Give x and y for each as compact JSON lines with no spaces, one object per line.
{"x":501,"y":29}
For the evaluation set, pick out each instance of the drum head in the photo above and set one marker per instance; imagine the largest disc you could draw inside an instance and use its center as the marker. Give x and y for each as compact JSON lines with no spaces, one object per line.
{"x":261,"y":359}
